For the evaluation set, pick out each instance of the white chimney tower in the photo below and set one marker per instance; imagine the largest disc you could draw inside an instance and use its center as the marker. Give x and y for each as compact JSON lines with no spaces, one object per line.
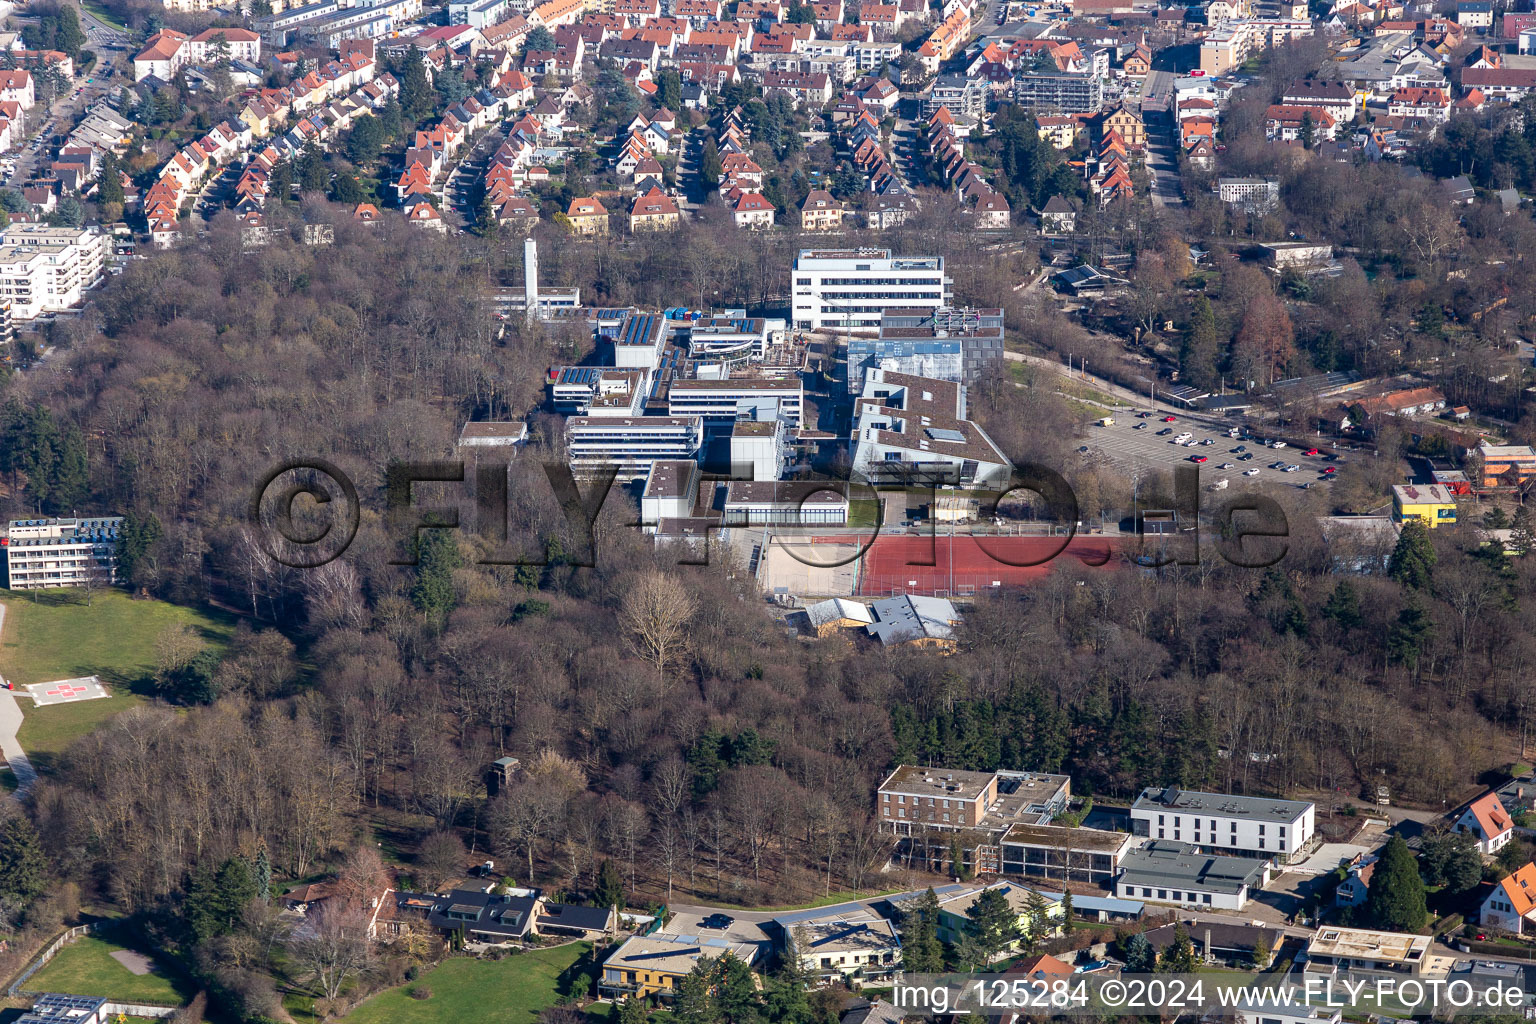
{"x":530,"y":278}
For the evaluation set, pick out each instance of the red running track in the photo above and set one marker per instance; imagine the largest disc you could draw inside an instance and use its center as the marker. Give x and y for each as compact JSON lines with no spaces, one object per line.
{"x":895,"y":563}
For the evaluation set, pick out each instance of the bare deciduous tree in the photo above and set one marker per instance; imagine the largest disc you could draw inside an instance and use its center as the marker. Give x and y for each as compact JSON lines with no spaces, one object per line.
{"x":333,"y":946}
{"x":655,"y":614}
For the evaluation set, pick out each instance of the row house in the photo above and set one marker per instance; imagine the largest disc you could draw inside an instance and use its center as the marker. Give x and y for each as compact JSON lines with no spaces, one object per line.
{"x":1500,"y":83}
{"x":1109,"y":170}
{"x":989,"y":206}
{"x":947,"y":39}
{"x":697,"y":12}
{"x":884,"y":19}
{"x":16,"y":86}
{"x":739,"y":170}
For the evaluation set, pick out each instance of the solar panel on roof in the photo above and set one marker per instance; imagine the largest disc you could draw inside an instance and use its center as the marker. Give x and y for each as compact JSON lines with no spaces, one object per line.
{"x":945,"y":434}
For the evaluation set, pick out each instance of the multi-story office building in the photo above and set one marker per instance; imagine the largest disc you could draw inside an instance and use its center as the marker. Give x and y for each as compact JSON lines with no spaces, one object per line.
{"x":722,"y":402}
{"x":629,"y":444}
{"x":838,"y":289}
{"x":928,"y":807}
{"x":477,"y":13}
{"x":45,"y":553}
{"x":1217,"y":823}
{"x":46,"y":269}
{"x":1067,"y":92}
{"x":598,"y":391}
{"x":913,"y":430}
{"x":1255,"y":195}
{"x":945,"y":344}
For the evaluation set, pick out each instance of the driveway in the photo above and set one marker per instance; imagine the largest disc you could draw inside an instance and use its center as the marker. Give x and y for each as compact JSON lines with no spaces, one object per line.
{"x":10,"y":723}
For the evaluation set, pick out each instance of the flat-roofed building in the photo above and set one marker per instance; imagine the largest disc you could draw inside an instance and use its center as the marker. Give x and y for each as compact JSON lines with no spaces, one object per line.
{"x":851,"y":945}
{"x":1063,"y":853}
{"x":45,"y":269}
{"x":42,"y":554}
{"x":723,"y":402}
{"x":629,"y":444}
{"x":655,"y":965}
{"x":786,"y":502}
{"x":1430,"y":504}
{"x":671,"y":489}
{"x":1248,"y":825}
{"x":1506,"y":465}
{"x":640,"y":340}
{"x":598,"y":390}
{"x":759,"y":448}
{"x":945,"y":344}
{"x":1363,"y":949}
{"x":944,"y":798}
{"x":1170,"y":872}
{"x":837,"y":289}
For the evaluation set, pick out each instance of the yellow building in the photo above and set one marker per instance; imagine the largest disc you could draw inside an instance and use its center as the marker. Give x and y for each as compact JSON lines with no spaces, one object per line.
{"x":654,"y":965}
{"x":1431,"y":504}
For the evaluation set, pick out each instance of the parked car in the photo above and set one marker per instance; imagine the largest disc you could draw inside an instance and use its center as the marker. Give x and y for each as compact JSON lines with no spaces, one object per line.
{"x":1330,"y":470}
{"x":1170,"y":419}
{"x":1165,"y":430}
{"x":1312,"y":451}
{"x":1277,"y":444}
{"x":1245,"y":457}
{"x":1226,"y":465}
{"x":1198,"y":458}
{"x":1251,"y":472}
{"x":1140,"y":426}
{"x":1291,"y":469}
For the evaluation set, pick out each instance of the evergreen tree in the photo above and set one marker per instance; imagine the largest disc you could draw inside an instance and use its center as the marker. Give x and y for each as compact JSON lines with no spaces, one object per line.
{"x":215,"y":899}
{"x":262,"y":871}
{"x":921,"y":951}
{"x":111,"y":188}
{"x":1140,"y":957}
{"x":1413,"y":560}
{"x":437,"y":556}
{"x":609,"y":891}
{"x":695,"y":1002}
{"x":634,"y":1011}
{"x":991,"y":924}
{"x":1343,"y":606}
{"x":1395,"y":899}
{"x":1409,"y":635}
{"x":1201,"y":345}
{"x":365,"y":141}
{"x":138,"y":534}
{"x":709,"y":165}
{"x":313,"y":175}
{"x":1066,"y":910}
{"x":1180,"y":956}
{"x":1522,"y":538}
{"x":280,"y":181}
{"x":1452,"y":858}
{"x":417,"y":97}
{"x":1037,"y":909}
{"x":737,"y":998}
{"x":23,"y":870}
{"x":1308,"y":133}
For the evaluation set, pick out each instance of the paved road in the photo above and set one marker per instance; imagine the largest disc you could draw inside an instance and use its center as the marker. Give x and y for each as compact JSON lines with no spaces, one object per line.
{"x":10,"y":722}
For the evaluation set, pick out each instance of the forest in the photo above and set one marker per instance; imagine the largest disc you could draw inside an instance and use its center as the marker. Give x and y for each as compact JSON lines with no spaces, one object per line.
{"x":668,"y":726}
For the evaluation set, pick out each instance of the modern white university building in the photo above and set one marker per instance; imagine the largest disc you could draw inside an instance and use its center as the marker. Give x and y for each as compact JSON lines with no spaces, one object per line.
{"x":838,"y":289}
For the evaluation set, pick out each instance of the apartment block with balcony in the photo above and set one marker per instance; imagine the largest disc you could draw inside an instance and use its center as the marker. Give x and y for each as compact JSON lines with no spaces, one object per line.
{"x":42,"y":554}
{"x":46,"y":269}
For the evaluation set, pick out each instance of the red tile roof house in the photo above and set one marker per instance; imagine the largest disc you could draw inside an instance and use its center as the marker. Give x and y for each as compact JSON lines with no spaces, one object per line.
{"x":1486,"y":820}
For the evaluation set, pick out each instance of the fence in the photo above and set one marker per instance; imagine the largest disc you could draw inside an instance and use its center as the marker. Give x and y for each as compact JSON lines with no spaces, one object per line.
{"x":48,"y":953}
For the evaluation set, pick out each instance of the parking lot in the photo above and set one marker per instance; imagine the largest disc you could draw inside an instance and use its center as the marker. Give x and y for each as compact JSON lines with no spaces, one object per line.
{"x":1135,"y":442}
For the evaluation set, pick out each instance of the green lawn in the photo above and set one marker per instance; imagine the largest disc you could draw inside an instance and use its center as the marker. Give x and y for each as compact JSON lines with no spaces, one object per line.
{"x":863,"y":512}
{"x":829,"y":900}
{"x":101,"y":14}
{"x":85,"y":968}
{"x":59,"y":636}
{"x":509,"y":991}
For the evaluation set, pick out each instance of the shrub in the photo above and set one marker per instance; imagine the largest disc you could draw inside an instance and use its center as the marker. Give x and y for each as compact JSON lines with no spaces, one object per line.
{"x":419,"y":992}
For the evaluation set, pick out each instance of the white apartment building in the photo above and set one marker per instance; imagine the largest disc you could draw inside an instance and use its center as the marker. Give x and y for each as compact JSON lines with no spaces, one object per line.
{"x":849,"y":288}
{"x":45,"y":553}
{"x":1217,"y":823}
{"x":45,"y":269}
{"x":629,"y":444}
